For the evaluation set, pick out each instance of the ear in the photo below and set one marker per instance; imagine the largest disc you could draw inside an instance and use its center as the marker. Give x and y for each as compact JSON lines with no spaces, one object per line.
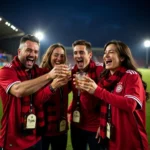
{"x":90,"y":54}
{"x":122,"y":59}
{"x":19,"y":50}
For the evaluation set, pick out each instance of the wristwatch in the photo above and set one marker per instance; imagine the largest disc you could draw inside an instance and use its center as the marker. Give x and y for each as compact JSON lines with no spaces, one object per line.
{"x":52,"y":89}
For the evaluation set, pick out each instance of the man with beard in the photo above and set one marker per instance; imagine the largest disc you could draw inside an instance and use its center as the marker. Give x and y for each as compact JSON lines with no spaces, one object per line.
{"x":19,"y":82}
{"x":84,"y":112}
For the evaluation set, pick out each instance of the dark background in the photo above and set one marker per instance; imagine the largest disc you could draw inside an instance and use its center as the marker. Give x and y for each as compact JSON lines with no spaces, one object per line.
{"x":97,"y":21}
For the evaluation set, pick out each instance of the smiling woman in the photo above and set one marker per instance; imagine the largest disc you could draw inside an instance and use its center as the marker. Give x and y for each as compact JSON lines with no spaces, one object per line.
{"x":56,"y":109}
{"x":55,"y":54}
{"x":123,"y":95}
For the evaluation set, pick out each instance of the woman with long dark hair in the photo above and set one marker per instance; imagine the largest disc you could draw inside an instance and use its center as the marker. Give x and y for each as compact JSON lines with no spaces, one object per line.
{"x":122,"y":93}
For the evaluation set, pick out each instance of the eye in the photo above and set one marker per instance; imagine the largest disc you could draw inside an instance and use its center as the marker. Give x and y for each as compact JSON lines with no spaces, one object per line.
{"x":28,"y":50}
{"x":75,"y":53}
{"x":56,"y":55}
{"x":36,"y":52}
{"x":81,"y":52}
{"x":62,"y":56}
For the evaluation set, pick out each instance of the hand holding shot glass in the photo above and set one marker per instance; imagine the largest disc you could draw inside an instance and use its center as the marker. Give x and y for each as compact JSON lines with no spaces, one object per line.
{"x":84,"y":83}
{"x":79,"y":77}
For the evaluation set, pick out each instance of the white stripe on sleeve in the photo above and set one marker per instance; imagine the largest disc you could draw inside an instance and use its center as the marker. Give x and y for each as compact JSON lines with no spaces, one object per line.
{"x":10,"y":85}
{"x":134,"y":98}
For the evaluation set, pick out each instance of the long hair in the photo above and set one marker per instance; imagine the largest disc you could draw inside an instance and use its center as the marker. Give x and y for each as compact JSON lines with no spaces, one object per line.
{"x":46,"y":63}
{"x":129,"y":63}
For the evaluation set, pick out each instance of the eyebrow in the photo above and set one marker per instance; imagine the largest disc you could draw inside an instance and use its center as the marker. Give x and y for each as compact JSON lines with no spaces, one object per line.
{"x":58,"y":53}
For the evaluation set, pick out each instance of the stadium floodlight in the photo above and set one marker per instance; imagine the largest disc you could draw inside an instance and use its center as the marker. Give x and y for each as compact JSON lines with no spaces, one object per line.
{"x":39,"y":35}
{"x":7,"y":23}
{"x":147,"y":45}
{"x":0,"y":19}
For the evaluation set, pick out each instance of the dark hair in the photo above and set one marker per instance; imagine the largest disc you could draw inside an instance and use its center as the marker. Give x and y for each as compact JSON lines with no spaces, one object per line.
{"x":129,"y":63}
{"x":83,"y":42}
{"x":30,"y":38}
{"x":47,"y":56}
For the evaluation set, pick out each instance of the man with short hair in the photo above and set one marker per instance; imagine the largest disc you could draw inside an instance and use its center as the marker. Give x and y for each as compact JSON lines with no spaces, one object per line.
{"x":19,"y":82}
{"x":84,"y":111}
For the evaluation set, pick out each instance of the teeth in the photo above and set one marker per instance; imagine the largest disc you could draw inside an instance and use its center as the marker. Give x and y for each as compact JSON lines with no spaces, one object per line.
{"x":30,"y":59}
{"x":80,"y":61}
{"x":109,"y":61}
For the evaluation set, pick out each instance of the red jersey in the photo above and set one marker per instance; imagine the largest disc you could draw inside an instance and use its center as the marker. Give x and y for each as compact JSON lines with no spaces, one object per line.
{"x":89,"y":107}
{"x":128,"y":112}
{"x":10,"y":133}
{"x":55,"y":108}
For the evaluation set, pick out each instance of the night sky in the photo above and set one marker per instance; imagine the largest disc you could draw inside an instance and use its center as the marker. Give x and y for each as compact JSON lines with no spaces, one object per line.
{"x":97,"y":21}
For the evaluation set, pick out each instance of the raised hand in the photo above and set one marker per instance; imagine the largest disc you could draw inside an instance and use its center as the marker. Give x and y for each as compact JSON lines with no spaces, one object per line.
{"x":59,"y":81}
{"x":86,"y":84}
{"x":58,"y":70}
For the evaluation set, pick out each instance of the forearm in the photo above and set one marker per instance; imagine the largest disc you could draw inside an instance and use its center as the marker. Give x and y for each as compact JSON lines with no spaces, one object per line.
{"x":118,"y":101}
{"x":29,"y":87}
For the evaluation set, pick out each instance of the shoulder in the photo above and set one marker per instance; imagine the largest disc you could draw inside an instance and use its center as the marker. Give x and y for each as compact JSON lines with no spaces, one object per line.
{"x":9,"y":65}
{"x":132,"y":73}
{"x":98,"y":64}
{"x":99,"y":67}
{"x":132,"y":76}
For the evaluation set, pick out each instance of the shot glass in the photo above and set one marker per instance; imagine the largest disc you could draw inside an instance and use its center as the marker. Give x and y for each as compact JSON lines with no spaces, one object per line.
{"x":69,"y":69}
{"x":79,"y":77}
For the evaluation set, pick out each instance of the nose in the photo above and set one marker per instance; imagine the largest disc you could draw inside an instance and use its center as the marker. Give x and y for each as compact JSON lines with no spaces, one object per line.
{"x":32,"y":53}
{"x":59,"y":57}
{"x":78,"y":55}
{"x":106,"y":54}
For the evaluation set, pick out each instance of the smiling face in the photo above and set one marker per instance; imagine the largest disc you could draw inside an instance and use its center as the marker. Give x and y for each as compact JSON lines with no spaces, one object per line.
{"x":81,"y":56}
{"x":57,"y":57}
{"x":111,"y":58}
{"x":28,"y":54}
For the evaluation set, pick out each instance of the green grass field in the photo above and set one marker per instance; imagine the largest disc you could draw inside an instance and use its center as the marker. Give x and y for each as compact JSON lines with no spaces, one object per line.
{"x":146,"y":78}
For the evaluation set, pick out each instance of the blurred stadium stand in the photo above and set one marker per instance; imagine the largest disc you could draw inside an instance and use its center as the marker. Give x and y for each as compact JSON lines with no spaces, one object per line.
{"x":9,"y":38}
{"x":8,"y":30}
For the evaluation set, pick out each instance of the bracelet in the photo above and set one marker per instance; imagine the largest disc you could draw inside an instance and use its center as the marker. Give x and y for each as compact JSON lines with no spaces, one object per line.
{"x":52,"y":89}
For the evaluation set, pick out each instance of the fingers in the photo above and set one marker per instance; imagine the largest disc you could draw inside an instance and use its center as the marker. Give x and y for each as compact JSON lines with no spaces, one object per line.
{"x":86,"y":84}
{"x":59,"y":70}
{"x":60,"y":81}
{"x":82,"y":84}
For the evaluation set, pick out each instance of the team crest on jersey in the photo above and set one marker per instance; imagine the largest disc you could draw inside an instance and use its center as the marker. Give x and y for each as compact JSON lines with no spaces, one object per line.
{"x":119,"y":87}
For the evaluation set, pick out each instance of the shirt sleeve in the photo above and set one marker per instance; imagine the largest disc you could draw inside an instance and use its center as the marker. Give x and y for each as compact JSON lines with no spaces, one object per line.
{"x":130,"y":100}
{"x":134,"y":89}
{"x":8,"y":77}
{"x":43,"y":95}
